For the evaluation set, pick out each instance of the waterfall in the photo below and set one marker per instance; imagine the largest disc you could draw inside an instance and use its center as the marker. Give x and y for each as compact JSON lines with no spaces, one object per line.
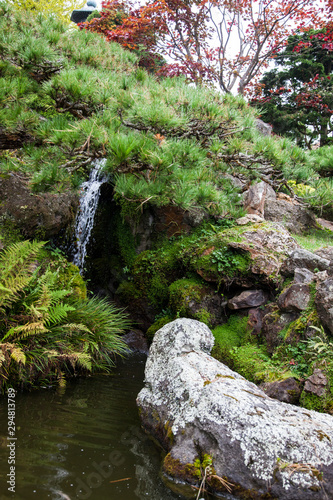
{"x":88,"y":205}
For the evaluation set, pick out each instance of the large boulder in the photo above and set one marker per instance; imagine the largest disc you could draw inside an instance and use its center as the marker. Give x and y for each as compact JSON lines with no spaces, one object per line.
{"x":43,"y":215}
{"x":294,"y":216}
{"x":261,"y":199}
{"x":206,"y":415}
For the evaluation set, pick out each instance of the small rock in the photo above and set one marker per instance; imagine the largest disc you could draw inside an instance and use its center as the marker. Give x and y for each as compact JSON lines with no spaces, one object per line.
{"x":325,"y":253}
{"x":273,"y":323}
{"x":326,"y":224}
{"x":317,"y":383}
{"x":287,"y":391}
{"x":255,"y":197}
{"x":295,"y":298}
{"x":136,"y":342}
{"x":264,"y":128}
{"x":254,"y":321}
{"x":249,"y":219}
{"x":303,"y":259}
{"x":303,"y":275}
{"x":249,"y":298}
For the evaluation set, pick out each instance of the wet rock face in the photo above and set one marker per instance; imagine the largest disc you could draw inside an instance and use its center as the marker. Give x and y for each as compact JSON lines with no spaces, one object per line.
{"x":43,"y":214}
{"x":196,"y":406}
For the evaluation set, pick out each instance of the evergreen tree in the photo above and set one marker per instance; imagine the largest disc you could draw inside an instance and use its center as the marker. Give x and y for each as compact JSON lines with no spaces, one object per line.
{"x":297,"y":97}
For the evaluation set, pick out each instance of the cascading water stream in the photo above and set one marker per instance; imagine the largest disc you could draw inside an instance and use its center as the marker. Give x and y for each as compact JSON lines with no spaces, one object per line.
{"x":86,"y":215}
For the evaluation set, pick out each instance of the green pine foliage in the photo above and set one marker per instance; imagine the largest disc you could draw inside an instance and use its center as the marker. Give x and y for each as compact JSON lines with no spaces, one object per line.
{"x":70,"y":96}
{"x":47,"y":329}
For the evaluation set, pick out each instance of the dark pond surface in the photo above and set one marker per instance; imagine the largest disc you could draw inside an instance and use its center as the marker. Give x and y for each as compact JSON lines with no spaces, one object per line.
{"x":78,"y":443}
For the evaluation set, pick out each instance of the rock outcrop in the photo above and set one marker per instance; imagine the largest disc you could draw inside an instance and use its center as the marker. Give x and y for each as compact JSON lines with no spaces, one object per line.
{"x":204,"y":413}
{"x":42,"y":215}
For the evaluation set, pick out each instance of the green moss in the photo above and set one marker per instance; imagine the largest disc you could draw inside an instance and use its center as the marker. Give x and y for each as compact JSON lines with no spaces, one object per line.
{"x":186,"y":292}
{"x":126,"y":241}
{"x":228,"y":336}
{"x":9,"y":233}
{"x":156,"y":326}
{"x":184,"y":472}
{"x":70,"y":276}
{"x":127,"y":291}
{"x":314,"y":239}
{"x":313,"y":402}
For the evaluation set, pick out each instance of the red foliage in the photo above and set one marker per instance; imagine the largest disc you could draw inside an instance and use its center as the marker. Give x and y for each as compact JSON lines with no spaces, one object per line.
{"x":198,"y":34}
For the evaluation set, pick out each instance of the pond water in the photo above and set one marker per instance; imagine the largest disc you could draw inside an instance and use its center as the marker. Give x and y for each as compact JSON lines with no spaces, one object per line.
{"x":83,"y":442}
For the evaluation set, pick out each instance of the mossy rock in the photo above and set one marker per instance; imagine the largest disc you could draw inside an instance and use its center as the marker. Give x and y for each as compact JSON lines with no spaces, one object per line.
{"x":193,"y":299}
{"x":156,"y":326}
{"x":70,"y":275}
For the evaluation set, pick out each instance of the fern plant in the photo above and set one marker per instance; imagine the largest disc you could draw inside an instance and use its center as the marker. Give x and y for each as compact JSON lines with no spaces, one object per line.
{"x":47,"y":330}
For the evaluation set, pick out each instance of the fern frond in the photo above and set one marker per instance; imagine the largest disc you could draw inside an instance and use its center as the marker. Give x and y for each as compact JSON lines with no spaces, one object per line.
{"x":83,"y":359}
{"x":16,"y":268}
{"x":57,"y":313}
{"x":18,"y":355}
{"x":23,"y":331}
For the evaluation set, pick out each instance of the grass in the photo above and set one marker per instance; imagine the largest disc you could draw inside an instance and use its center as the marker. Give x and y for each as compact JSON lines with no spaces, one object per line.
{"x":315,"y":239}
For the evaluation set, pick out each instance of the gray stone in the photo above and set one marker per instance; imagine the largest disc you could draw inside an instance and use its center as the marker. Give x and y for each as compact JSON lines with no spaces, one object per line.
{"x":305,"y":259}
{"x":303,"y":275}
{"x":255,"y":197}
{"x":326,"y":253}
{"x":264,"y":128}
{"x":136,"y":342}
{"x":195,"y":405}
{"x":294,"y":216}
{"x":295,"y":298}
{"x":249,"y":298}
{"x":324,"y":303}
{"x":249,"y":219}
{"x":317,"y":383}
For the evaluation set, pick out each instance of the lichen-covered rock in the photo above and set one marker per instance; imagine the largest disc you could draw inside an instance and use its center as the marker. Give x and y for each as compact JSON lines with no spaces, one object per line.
{"x":324,"y":303}
{"x":294,"y":216}
{"x":195,"y":406}
{"x":255,"y":197}
{"x":300,"y":257}
{"x":326,"y":253}
{"x":295,"y":298}
{"x":268,"y":248}
{"x":303,"y":275}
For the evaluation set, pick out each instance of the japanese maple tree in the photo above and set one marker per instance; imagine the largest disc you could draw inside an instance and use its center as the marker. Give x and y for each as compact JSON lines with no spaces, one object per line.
{"x":225,"y":42}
